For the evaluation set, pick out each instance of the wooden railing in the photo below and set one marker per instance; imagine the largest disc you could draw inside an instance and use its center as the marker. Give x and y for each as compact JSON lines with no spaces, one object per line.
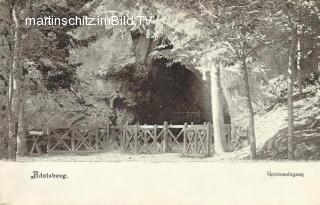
{"x":76,"y":138}
{"x":190,"y":140}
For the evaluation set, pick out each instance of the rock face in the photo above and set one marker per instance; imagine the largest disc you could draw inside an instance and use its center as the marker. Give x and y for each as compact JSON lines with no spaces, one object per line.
{"x":106,"y":75}
{"x":114,"y":72}
{"x":120,"y":83}
{"x":117,"y":79}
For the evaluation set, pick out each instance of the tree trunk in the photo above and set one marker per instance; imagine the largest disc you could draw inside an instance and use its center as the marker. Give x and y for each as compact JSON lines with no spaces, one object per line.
{"x":299,"y":64}
{"x":13,"y":119}
{"x":14,"y":97}
{"x":232,"y":112}
{"x":22,"y":149}
{"x":290,"y":107}
{"x":252,"y":136}
{"x":217,"y":111}
{"x":3,"y":126}
{"x":3,"y":149}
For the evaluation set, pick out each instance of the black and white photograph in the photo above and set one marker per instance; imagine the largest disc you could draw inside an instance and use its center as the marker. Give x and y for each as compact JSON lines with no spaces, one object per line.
{"x":185,"y":84}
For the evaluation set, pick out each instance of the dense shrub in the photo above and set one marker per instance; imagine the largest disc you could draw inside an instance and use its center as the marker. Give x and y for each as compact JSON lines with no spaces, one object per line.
{"x":276,"y":88}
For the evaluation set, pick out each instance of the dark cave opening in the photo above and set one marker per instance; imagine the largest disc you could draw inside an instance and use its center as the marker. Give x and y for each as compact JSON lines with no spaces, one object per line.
{"x":174,"y":94}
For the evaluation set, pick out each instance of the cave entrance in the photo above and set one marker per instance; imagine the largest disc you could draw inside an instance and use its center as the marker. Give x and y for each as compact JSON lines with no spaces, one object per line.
{"x":174,"y":94}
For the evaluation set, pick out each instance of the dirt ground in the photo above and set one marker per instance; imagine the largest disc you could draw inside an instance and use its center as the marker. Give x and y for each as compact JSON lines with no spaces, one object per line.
{"x":124,"y":157}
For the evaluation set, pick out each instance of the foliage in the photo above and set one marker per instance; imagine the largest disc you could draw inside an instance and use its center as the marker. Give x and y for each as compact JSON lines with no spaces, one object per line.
{"x":276,"y":89}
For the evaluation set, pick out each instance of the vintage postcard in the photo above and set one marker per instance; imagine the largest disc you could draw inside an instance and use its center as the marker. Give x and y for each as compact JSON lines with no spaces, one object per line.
{"x":161,"y":102}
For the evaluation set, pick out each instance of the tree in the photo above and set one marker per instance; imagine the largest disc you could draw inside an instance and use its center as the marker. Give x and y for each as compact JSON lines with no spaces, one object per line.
{"x":46,"y":47}
{"x":239,"y":26}
{"x":14,"y":83}
{"x":190,"y":46}
{"x":5,"y":64}
{"x":245,"y":25}
{"x":295,"y":26}
{"x":217,"y":110}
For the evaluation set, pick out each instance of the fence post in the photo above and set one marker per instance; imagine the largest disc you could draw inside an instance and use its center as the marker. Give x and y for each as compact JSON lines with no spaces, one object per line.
{"x":155,"y":140}
{"x":185,"y":141}
{"x":48,"y":140}
{"x":72,"y":139}
{"x":97,"y":138}
{"x":165,"y":136}
{"x":169,"y":138}
{"x":228,"y":133}
{"x":196,"y":137}
{"x":208,"y":141}
{"x":106,"y":138}
{"x":135,"y":139}
{"x":124,"y":137}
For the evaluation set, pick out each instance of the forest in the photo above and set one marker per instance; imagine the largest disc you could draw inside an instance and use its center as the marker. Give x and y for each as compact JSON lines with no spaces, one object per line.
{"x":251,"y":64}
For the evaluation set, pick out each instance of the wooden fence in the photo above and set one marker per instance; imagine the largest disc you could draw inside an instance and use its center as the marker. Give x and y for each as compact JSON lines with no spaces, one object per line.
{"x":153,"y":138}
{"x":197,"y":140}
{"x":190,"y":140}
{"x":76,"y":139}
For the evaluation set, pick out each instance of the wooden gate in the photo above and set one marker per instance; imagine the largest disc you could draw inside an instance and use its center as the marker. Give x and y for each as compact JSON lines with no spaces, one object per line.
{"x":144,"y":139}
{"x":197,"y":140}
{"x":191,"y":140}
{"x":115,"y":138}
{"x":175,"y":138}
